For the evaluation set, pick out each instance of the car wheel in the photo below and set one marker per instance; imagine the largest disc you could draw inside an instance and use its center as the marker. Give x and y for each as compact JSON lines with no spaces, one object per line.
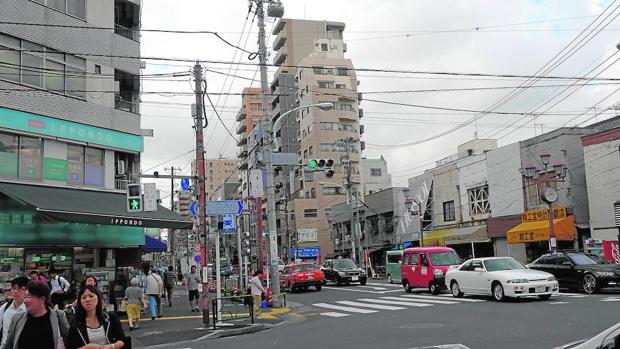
{"x":456,"y":290}
{"x":338,"y":282}
{"x":589,"y":284}
{"x":406,"y":286}
{"x":433,"y":289}
{"x":389,"y":279}
{"x":545,"y":297}
{"x":318,"y":287}
{"x":498,"y":292}
{"x":362,"y":282}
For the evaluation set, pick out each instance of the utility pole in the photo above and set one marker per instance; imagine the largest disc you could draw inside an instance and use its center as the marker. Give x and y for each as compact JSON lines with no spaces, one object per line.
{"x":267,"y":139}
{"x":352,"y":198}
{"x":172,"y":235}
{"x":202,"y":199}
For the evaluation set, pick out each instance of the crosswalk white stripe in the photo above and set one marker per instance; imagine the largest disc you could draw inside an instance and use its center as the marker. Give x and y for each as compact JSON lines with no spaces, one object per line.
{"x":610,"y":300}
{"x":384,"y":285}
{"x":558,"y":303}
{"x":341,"y":308}
{"x":571,"y":294}
{"x":407,"y":298}
{"x":385,"y":301}
{"x":371,"y":306}
{"x":334,"y":314}
{"x":453,"y":299}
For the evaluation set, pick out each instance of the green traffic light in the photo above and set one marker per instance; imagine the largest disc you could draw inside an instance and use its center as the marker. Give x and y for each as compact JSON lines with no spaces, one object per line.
{"x":312,"y":164}
{"x":134,"y":204}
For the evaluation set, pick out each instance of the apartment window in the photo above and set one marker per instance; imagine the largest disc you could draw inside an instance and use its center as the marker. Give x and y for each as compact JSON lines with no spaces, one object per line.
{"x":328,"y":211}
{"x":9,"y":146}
{"x":345,"y":106}
{"x":255,"y":107}
{"x":326,"y":84}
{"x":448,"y":211}
{"x":76,"y":76}
{"x":320,"y":70}
{"x":328,"y":125}
{"x":75,"y":8}
{"x":533,"y":190}
{"x":332,"y":191}
{"x":75,"y":164}
{"x":328,"y":147}
{"x":10,"y":58}
{"x":479,"y":200}
{"x":93,"y":167}
{"x":341,"y":86}
{"x":375,"y":172}
{"x":312,"y":193}
{"x":324,"y":47}
{"x":30,"y":158}
{"x":97,"y":69}
{"x":32,"y":61}
{"x":311,"y":212}
{"x":307,"y":235}
{"x":342,"y":71}
{"x":346,"y":127}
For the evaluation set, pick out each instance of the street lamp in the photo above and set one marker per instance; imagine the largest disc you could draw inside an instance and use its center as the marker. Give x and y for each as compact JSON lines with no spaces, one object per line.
{"x":277,"y":125}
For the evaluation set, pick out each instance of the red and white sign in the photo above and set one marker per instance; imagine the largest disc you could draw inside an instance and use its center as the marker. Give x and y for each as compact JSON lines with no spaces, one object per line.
{"x":612,"y":254}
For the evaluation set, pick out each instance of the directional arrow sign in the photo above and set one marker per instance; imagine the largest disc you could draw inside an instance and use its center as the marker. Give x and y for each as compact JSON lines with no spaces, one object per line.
{"x":193,"y":208}
{"x":220,"y":208}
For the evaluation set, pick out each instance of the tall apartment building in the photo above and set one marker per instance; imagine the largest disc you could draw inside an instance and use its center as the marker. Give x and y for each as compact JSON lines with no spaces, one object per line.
{"x":218,"y":172}
{"x":313,"y":51}
{"x":66,"y":155}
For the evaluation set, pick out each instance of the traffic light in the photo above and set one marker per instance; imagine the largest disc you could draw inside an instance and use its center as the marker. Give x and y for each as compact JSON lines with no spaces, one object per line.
{"x":134,"y":198}
{"x":325,"y":165}
{"x":246,"y":243}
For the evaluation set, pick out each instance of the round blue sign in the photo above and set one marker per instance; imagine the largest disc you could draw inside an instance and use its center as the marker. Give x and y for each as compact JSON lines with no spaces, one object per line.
{"x":197,"y":259}
{"x":185,"y":183}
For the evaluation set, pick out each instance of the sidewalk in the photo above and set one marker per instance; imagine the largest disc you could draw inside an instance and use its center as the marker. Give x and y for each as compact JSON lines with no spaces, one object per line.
{"x":179,"y":323}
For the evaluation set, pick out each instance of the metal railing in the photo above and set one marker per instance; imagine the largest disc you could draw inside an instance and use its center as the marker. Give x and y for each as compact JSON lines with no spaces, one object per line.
{"x":126,"y":32}
{"x":234,"y":306}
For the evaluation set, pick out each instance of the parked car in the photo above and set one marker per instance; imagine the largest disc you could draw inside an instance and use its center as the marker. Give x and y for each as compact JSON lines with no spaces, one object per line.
{"x":608,"y":339}
{"x":343,"y":271}
{"x":578,"y":270}
{"x":426,"y":266}
{"x":500,"y":277}
{"x":393,"y":261}
{"x":301,"y":276}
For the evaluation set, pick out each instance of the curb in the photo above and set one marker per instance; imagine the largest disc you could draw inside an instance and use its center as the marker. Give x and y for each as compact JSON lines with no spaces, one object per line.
{"x":234,"y":332}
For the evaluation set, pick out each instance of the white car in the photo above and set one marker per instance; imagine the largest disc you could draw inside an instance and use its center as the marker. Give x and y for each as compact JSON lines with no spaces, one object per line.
{"x":500,"y":277}
{"x":608,"y":339}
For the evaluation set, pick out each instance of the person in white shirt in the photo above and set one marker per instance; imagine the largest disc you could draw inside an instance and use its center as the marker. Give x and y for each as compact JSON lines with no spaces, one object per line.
{"x":60,"y":286}
{"x":154,"y":289}
{"x":13,"y":306}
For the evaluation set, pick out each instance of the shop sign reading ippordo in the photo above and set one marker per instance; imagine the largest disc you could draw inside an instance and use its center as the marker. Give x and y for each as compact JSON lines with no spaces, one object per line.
{"x":543,"y":215}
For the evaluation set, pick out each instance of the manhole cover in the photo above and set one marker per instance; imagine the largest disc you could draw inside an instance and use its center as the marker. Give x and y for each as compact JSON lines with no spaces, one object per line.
{"x":421,"y":326}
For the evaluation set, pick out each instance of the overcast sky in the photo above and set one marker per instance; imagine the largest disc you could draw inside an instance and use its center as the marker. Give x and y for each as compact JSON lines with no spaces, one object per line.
{"x":490,"y":37}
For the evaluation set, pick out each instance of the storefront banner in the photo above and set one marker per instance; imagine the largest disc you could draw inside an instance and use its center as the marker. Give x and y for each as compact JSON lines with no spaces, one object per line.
{"x":55,"y":169}
{"x":611,"y":251}
{"x":543,"y":215}
{"x":21,"y":121}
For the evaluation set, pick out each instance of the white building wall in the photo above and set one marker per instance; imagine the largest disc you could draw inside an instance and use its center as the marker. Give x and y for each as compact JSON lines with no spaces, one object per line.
{"x":372,"y":183}
{"x":472,"y":173}
{"x":602,"y":168}
{"x":505,"y":183}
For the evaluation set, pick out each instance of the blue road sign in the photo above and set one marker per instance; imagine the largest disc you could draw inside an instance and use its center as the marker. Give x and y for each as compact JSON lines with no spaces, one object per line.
{"x":220,"y":208}
{"x":185,"y":183}
{"x":305,"y":252}
{"x":193,"y":208}
{"x":229,"y":223}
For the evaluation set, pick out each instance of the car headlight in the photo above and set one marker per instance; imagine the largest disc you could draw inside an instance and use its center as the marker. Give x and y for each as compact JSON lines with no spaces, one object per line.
{"x":342,"y":273}
{"x":517,"y":281}
{"x":438,"y":272}
{"x":551,"y":278}
{"x":604,"y":273}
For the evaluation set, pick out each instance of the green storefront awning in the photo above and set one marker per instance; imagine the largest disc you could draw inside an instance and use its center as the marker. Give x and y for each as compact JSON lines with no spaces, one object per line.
{"x":56,"y":204}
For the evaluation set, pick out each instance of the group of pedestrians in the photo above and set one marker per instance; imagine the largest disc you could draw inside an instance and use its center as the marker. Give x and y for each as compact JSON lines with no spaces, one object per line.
{"x":30,"y":320}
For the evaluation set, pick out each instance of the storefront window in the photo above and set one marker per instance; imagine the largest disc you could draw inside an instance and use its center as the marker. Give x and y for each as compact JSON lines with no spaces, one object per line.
{"x":75,"y":165}
{"x":8,"y":155}
{"x":42,"y":259}
{"x":30,"y":151}
{"x":94,"y":167}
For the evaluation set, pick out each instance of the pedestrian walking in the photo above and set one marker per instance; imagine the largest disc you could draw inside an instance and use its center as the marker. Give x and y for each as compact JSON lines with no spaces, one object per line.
{"x":59,"y":288}
{"x":90,"y":280}
{"x":135,"y":299}
{"x":170,"y":280}
{"x":36,"y":276}
{"x":41,"y":326}
{"x":13,"y":305}
{"x":154,"y":289}
{"x":192,"y":280}
{"x":257,"y":290}
{"x":92,"y":327}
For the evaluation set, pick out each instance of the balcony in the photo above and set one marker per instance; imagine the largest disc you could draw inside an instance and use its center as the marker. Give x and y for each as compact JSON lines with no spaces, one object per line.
{"x":127,"y":19}
{"x":126,"y":32}
{"x":241,"y":115}
{"x":280,"y":40}
{"x":243,"y":140}
{"x":243,"y":165}
{"x":280,"y":57}
{"x":241,"y":128}
{"x":242,"y":153}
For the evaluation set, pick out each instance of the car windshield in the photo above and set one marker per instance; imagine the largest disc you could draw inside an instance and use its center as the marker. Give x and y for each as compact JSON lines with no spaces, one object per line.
{"x":581,"y":259}
{"x":502,"y":264}
{"x":599,"y":259}
{"x":344,"y":264}
{"x":304,"y":267}
{"x":444,"y":258}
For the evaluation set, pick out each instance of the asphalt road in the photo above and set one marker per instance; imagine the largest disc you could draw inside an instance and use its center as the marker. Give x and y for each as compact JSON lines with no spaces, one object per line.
{"x":384,"y":316}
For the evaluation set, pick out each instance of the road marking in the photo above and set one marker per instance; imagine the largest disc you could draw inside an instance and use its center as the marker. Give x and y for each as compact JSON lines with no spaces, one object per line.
{"x":385,"y":301}
{"x":371,"y":306}
{"x":341,"y":308}
{"x":423,"y":300}
{"x":454,"y":299}
{"x":610,"y":299}
{"x":354,"y":290}
{"x":334,"y":314}
{"x":383,"y":285}
{"x":558,"y":302}
{"x":375,"y":288}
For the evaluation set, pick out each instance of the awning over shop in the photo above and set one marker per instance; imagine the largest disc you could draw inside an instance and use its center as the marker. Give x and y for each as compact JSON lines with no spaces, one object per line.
{"x":154,"y":245}
{"x":56,"y":204}
{"x":468,"y":235}
{"x":437,"y":237}
{"x":564,"y":230}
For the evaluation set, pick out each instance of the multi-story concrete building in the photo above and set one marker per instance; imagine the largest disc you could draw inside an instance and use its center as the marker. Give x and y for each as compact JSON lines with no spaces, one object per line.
{"x":375,"y":176}
{"x":218,"y":172}
{"x":314,"y":52}
{"x":66,"y":155}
